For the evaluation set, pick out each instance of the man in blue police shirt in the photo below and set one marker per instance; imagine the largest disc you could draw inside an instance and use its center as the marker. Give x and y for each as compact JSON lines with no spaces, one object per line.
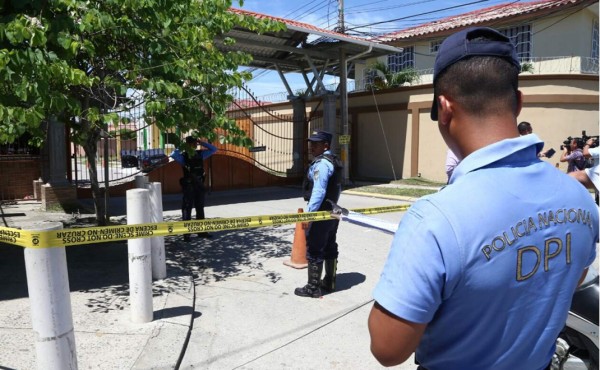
{"x":192,"y":182}
{"x":323,"y":182}
{"x":481,"y":274}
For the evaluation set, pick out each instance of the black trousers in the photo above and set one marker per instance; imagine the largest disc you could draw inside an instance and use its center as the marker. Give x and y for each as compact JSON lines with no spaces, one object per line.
{"x":321,"y":240}
{"x":193,"y":197}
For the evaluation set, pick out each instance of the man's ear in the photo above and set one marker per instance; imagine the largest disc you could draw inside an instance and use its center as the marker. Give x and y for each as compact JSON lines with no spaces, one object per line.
{"x":445,"y":110}
{"x":519,"y":103}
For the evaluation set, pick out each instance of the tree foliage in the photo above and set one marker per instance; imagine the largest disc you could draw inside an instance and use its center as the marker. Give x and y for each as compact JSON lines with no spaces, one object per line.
{"x":79,"y":60}
{"x":385,"y":78}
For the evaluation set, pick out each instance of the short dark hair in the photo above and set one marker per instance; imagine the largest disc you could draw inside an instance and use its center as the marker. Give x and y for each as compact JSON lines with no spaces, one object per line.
{"x":524,"y":127}
{"x":482,"y":85}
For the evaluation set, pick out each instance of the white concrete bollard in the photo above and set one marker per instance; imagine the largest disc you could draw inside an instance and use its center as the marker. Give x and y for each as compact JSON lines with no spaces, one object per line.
{"x":140,"y":258}
{"x":159,"y":264}
{"x":141,"y":181}
{"x":49,"y":295}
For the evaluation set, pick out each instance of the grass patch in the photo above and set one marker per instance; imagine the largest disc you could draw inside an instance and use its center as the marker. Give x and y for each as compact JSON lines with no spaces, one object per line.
{"x":405,"y":192}
{"x":419,"y":181}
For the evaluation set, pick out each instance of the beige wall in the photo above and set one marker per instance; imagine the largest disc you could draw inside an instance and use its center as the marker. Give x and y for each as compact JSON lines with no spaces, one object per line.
{"x":392,"y":135}
{"x":556,"y":108}
{"x":381,"y":143}
{"x":563,"y":37}
{"x":432,"y":150}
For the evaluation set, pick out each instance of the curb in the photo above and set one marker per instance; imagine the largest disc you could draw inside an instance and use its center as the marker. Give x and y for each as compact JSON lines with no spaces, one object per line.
{"x":380,"y":196}
{"x":173,"y":322}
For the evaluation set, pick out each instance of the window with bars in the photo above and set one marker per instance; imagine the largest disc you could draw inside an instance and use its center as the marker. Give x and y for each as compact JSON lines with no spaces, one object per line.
{"x":521,"y":37}
{"x":399,"y":61}
{"x":434,"y":46}
{"x":595,"y":40}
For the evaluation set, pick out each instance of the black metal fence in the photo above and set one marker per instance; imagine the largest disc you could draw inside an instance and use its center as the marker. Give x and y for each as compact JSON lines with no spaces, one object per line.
{"x":131,"y":149}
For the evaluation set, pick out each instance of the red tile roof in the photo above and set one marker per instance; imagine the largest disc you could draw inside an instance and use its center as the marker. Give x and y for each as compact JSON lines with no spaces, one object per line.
{"x":290,"y":22}
{"x":245,"y":103}
{"x":483,"y":16}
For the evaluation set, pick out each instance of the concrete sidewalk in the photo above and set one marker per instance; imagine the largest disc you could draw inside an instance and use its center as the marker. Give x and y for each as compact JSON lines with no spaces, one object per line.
{"x":227,"y":303}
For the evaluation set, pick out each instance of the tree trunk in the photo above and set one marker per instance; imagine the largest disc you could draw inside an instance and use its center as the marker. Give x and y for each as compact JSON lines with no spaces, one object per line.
{"x":90,"y":147}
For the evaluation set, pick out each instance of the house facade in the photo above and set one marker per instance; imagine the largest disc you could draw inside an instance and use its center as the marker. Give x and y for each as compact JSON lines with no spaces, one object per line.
{"x":558,"y":45}
{"x":552,"y":37}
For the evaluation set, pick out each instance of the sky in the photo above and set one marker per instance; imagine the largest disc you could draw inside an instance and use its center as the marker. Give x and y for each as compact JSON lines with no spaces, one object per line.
{"x":362,"y":18}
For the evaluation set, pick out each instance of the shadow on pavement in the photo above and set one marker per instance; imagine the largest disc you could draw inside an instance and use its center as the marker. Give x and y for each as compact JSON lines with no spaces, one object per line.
{"x":347,"y":280}
{"x":102,"y":269}
{"x":13,"y":280}
{"x":174,"y":312}
{"x":230,"y":253}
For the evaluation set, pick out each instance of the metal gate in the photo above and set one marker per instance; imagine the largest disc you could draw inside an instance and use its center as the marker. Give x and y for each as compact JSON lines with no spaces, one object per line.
{"x":279,"y":145}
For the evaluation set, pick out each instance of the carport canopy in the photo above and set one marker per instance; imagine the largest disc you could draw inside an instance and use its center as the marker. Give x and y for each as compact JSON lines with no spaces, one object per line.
{"x":291,"y":51}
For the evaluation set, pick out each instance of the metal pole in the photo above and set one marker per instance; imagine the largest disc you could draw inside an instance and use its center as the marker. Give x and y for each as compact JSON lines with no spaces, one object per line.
{"x":49,"y":296}
{"x":345,"y":152}
{"x":106,"y":185}
{"x":341,"y":26}
{"x":140,"y":258}
{"x":159,"y":264}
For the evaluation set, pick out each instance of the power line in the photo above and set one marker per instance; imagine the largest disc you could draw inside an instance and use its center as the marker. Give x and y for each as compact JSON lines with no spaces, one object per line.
{"x":370,"y":10}
{"x":379,"y":26}
{"x":430,"y":12}
{"x":422,"y":20}
{"x":312,"y":10}
{"x":299,"y":8}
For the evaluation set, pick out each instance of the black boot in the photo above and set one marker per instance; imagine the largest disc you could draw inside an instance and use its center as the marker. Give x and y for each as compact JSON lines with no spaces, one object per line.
{"x":312,"y":288}
{"x":328,"y":283}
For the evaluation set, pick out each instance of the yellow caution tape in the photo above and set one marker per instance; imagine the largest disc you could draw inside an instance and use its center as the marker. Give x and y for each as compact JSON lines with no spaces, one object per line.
{"x":102,"y":234}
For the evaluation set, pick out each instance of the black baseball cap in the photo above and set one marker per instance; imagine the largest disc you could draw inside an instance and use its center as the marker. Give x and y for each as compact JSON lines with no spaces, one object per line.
{"x":474,"y":41}
{"x":191,"y":140}
{"x":320,"y":136}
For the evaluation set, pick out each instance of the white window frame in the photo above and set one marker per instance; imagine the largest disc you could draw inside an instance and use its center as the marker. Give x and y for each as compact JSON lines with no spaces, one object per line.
{"x":522,"y":37}
{"x":595,"y":49}
{"x":398,"y":61}
{"x":434,"y":46}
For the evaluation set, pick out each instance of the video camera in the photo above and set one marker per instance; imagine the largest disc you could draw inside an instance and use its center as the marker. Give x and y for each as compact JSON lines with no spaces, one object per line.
{"x":580,"y":141}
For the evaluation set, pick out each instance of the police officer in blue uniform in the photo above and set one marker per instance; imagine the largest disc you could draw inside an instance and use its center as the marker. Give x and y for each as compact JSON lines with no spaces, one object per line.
{"x":323,"y":182}
{"x":481,"y":274}
{"x":192,"y":182}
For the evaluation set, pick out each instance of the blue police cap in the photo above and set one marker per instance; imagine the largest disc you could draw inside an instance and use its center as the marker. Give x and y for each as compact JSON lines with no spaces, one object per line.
{"x":474,"y":41}
{"x":320,"y":136}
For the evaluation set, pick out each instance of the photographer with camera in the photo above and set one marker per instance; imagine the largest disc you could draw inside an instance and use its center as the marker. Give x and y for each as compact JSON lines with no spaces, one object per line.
{"x":591,"y":149}
{"x":590,"y":177}
{"x":573,"y":154}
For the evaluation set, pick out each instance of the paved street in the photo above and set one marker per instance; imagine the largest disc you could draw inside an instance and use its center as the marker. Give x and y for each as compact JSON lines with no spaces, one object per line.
{"x":227,"y":303}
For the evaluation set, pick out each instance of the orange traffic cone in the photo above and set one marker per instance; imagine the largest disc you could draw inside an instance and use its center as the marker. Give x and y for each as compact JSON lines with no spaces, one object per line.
{"x":298,"y":258}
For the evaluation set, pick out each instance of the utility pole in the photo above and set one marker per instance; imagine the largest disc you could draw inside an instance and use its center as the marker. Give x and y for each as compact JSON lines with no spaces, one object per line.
{"x":341,"y":27}
{"x":345,"y":143}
